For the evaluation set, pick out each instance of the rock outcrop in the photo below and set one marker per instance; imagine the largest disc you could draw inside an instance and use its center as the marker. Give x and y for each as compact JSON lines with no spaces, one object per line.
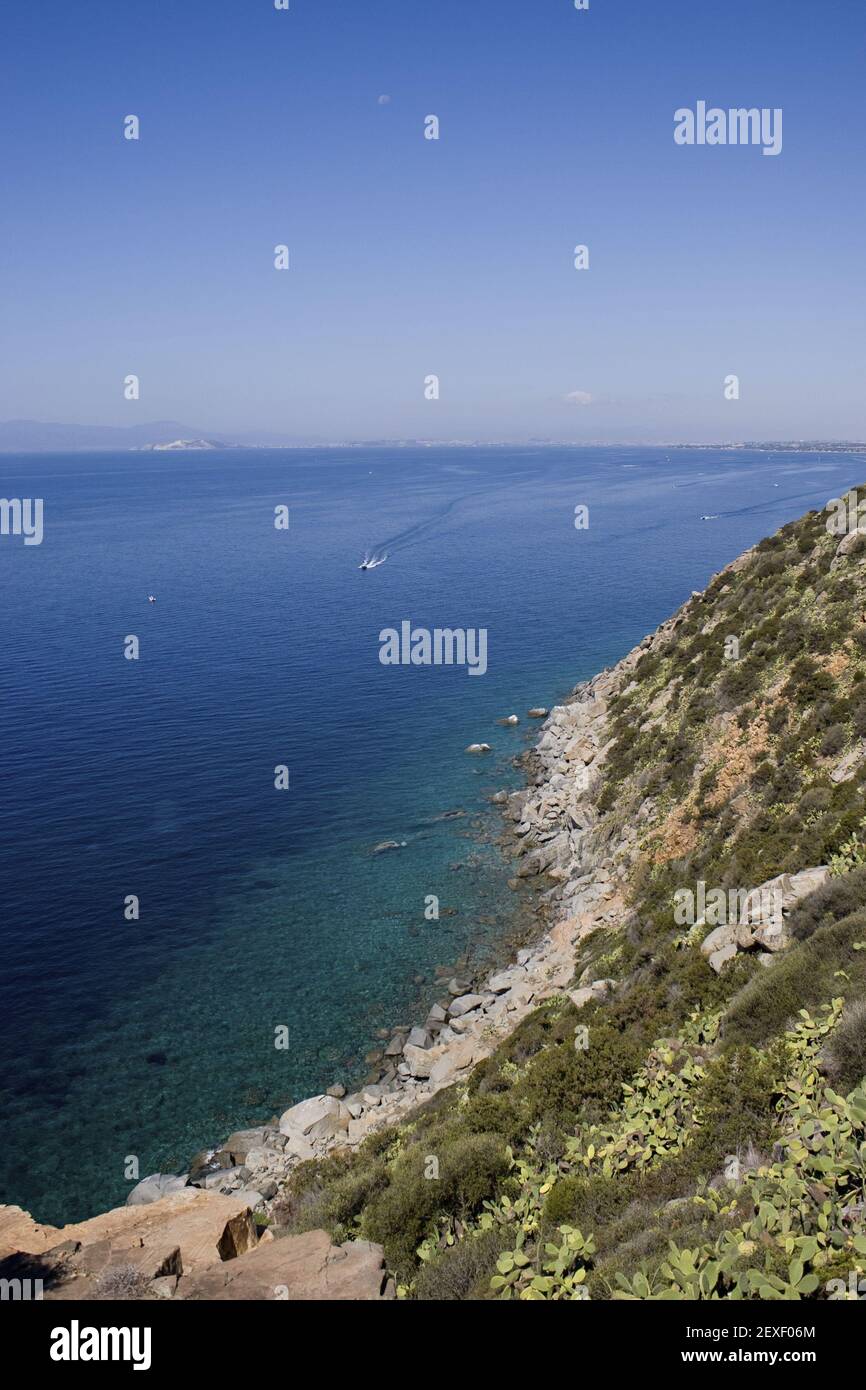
{"x":193,"y":1244}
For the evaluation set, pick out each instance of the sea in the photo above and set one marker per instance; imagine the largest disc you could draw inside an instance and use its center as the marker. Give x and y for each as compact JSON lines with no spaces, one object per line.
{"x":195,"y":931}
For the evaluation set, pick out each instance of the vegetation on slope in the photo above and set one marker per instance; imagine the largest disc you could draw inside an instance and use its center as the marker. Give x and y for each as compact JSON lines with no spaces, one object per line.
{"x":710,"y":1142}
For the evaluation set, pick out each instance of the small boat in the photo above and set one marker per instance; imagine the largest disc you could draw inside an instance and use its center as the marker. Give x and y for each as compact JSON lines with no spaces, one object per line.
{"x":151,"y":598}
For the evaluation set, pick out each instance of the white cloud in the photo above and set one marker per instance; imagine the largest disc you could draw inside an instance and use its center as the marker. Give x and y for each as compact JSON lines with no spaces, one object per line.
{"x":579,"y":398}
{"x":384,"y":100}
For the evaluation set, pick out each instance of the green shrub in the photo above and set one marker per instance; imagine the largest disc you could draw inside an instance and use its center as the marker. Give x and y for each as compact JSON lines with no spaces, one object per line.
{"x":398,"y":1216}
{"x":833,"y":901}
{"x":804,"y":976}
{"x":833,"y":741}
{"x":844,"y":1055}
{"x":463,"y":1271}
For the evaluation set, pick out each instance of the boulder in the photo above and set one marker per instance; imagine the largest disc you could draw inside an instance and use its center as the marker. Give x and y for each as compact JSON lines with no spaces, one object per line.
{"x":454,"y":1059}
{"x":418,"y":1061}
{"x":478,"y":748}
{"x":305,"y":1268}
{"x":720,"y":938}
{"x":320,"y":1117}
{"x":464,"y":1004}
{"x":504,"y":979}
{"x":509,"y":720}
{"x":773,"y":936}
{"x":850,"y":543}
{"x":579,"y":750}
{"x":602,"y":988}
{"x":238,"y":1145}
{"x":720,"y":958}
{"x":537,"y":712}
{"x":158,"y":1185}
{"x":419,"y":1037}
{"x":457,"y":986}
{"x":298,"y":1146}
{"x":223,"y":1180}
{"x":807,"y":880}
{"x":206,"y":1227}
{"x":845,"y":769}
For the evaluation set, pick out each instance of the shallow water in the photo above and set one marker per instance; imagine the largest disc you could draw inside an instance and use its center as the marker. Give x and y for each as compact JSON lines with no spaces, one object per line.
{"x":263,"y":909}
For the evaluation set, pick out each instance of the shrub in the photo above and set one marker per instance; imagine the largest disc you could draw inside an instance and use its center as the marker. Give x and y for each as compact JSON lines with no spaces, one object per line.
{"x":844,"y":1055}
{"x":832,"y":902}
{"x":805,"y":976}
{"x":464,"y":1270}
{"x":833,"y":741}
{"x":398,"y":1217}
{"x":121,"y":1282}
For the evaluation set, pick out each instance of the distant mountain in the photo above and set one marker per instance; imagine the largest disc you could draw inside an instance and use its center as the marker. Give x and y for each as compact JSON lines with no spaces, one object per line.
{"x":37,"y":437}
{"x":33,"y":436}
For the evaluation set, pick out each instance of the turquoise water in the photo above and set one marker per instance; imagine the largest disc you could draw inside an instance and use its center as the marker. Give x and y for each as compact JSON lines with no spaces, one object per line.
{"x":260,"y":908}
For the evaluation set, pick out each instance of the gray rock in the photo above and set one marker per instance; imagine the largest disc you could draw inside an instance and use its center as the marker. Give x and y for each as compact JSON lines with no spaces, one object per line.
{"x":152,"y":1188}
{"x":320,"y":1117}
{"x":504,"y":979}
{"x":845,"y":770}
{"x":601,"y":988}
{"x":720,"y":958}
{"x":720,"y":938}
{"x":464,"y":1004}
{"x":419,"y":1037}
{"x":164,"y":1286}
{"x":225,"y":1178}
{"x":418,"y":1061}
{"x":238,"y":1145}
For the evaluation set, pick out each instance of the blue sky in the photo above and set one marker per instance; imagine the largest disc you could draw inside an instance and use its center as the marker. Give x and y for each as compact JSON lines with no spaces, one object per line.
{"x":412,"y":257}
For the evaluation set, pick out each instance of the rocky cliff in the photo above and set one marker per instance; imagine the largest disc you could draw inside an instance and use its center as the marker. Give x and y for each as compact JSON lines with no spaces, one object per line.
{"x":663,"y":1095}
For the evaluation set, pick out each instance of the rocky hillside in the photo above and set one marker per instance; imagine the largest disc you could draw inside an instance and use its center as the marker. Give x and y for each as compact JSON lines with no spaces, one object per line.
{"x":663,"y":1096}
{"x":683,"y":1115}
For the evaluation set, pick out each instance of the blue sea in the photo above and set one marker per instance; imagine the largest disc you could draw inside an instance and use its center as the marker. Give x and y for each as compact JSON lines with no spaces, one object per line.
{"x":264,"y":909}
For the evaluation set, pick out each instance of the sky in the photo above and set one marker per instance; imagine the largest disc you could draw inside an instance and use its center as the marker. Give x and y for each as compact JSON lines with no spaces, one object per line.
{"x":412,"y":258}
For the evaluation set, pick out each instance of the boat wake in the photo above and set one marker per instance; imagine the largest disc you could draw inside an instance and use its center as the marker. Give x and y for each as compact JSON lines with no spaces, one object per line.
{"x":372,"y":562}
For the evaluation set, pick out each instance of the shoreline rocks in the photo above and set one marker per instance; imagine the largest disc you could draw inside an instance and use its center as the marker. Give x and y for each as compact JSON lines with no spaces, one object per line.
{"x":559,"y":842}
